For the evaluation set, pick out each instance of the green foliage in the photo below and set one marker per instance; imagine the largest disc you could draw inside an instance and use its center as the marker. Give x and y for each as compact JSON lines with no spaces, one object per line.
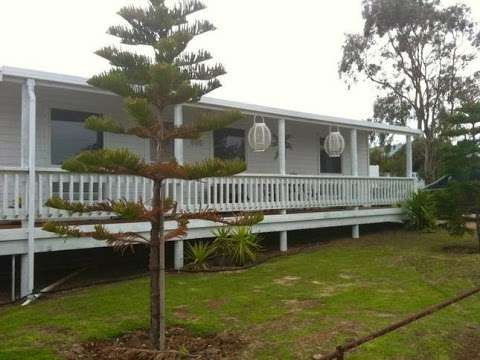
{"x":464,"y":122}
{"x":420,"y":211}
{"x":414,"y":51}
{"x":104,"y":124}
{"x":238,"y":245}
{"x":462,"y":161}
{"x":198,"y":254}
{"x":106,"y":161}
{"x":214,"y":168}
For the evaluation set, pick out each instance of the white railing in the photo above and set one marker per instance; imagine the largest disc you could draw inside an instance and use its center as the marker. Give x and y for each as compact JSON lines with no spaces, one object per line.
{"x":238,"y":193}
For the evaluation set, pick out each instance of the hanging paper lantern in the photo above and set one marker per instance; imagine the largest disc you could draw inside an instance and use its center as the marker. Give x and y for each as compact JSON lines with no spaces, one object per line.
{"x":259,"y":136}
{"x":334,"y":144}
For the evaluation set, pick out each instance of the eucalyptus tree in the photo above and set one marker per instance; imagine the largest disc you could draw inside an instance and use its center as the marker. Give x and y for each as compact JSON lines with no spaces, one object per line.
{"x":153,"y":70}
{"x":419,"y":54}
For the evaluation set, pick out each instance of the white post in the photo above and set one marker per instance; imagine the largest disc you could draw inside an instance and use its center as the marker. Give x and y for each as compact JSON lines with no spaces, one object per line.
{"x":28,"y":152}
{"x":178,"y":149}
{"x":409,"y":157}
{"x":282,"y":166}
{"x":281,"y":147}
{"x":354,"y":151}
{"x":14,"y":277}
{"x":24,"y":286}
{"x":354,"y":161}
{"x":178,"y":255}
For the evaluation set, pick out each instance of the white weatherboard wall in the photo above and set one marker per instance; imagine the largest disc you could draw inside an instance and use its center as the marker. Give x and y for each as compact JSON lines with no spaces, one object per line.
{"x":47,"y":99}
{"x":303,"y":158}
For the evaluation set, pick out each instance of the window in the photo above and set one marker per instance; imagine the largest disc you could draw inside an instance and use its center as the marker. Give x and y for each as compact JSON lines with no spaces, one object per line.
{"x":329,"y":165}
{"x":229,"y":144}
{"x":69,"y":136}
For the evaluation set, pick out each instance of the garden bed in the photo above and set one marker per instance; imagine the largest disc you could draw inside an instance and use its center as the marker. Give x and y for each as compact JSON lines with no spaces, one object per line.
{"x":181,"y":344}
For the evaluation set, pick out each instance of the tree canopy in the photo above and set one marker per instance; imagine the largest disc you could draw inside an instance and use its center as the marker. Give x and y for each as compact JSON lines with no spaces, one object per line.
{"x":419,"y":54}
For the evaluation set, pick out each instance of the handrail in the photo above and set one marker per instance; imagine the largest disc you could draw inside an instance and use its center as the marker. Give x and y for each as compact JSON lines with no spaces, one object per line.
{"x":252,"y":175}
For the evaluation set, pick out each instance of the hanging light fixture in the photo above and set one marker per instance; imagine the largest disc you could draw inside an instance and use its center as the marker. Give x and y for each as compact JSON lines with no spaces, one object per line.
{"x":334,"y":144}
{"x":259,"y":136}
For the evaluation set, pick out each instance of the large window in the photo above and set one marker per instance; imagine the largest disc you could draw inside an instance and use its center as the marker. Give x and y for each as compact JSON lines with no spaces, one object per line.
{"x":69,"y":136}
{"x":229,"y":144}
{"x":329,"y":165}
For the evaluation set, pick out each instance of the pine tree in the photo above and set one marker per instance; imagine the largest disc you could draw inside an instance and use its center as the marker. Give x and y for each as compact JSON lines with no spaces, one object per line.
{"x":150,"y":84}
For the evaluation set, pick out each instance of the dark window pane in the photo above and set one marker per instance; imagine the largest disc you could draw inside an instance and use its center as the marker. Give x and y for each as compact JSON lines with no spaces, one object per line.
{"x":329,"y":165}
{"x":69,"y":136}
{"x":229,"y":144}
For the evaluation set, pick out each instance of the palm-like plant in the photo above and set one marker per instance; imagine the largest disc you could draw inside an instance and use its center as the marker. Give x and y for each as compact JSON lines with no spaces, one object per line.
{"x":199,"y":253}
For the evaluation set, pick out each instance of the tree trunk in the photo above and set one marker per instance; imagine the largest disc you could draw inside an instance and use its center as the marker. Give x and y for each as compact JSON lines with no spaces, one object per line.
{"x":477,"y":220}
{"x":157,"y":274}
{"x":429,"y":164}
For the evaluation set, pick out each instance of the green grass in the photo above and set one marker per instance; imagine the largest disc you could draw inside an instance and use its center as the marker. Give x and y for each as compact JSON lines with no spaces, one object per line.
{"x":291,"y":307}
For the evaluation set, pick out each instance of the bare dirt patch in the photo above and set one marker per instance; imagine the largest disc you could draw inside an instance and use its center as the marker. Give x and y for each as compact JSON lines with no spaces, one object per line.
{"x":216,"y":304}
{"x":286,"y":280}
{"x":181,"y":344}
{"x":461,"y":249}
{"x":469,"y":342}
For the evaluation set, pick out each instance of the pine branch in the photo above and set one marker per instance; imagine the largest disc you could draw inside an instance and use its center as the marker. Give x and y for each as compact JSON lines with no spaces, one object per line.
{"x":197,"y":28}
{"x":118,"y":82}
{"x":104,"y":124}
{"x":189,"y":59}
{"x":165,"y":170}
{"x":106,"y":161}
{"x":203,"y":89}
{"x":214,"y":168}
{"x":141,"y":110}
{"x":167,"y":49}
{"x":117,"y":240}
{"x":203,"y":72}
{"x":135,"y":65}
{"x":127,"y":210}
{"x":185,"y":8}
{"x":208,"y":122}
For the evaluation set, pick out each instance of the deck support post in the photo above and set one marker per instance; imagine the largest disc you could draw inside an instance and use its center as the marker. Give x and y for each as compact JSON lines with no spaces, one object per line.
{"x":178,"y":255}
{"x":282,"y":167}
{"x":14,"y":279}
{"x":28,"y":155}
{"x":24,"y":276}
{"x":354,"y":160}
{"x":409,"y":157}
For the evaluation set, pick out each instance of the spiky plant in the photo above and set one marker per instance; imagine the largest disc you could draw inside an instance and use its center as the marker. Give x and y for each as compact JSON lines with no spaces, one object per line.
{"x":149,"y":84}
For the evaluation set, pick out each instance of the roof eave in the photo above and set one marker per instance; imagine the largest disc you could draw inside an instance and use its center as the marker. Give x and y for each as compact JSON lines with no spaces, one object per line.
{"x":79,"y":83}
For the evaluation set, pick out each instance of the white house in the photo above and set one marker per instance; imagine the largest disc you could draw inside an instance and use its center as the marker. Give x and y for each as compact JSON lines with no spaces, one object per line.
{"x":41,"y":117}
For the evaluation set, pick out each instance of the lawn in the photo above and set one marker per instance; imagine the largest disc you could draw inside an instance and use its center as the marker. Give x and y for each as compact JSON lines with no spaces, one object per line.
{"x":290,"y":307}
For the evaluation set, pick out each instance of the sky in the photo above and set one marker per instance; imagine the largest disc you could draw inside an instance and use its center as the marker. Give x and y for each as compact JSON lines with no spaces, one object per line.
{"x":278,"y":53}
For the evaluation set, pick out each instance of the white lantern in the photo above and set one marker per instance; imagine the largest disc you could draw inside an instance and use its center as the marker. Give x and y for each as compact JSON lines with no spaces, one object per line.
{"x":334,"y":144}
{"x":259,"y":136}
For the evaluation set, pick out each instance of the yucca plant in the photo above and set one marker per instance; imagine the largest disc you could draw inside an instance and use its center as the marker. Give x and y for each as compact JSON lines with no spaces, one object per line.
{"x":236,"y":245}
{"x":198,"y":254}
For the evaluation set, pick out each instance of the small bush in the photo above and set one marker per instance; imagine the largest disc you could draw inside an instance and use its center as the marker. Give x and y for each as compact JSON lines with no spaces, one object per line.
{"x":198,"y":254}
{"x":236,"y":246}
{"x":421,"y":211}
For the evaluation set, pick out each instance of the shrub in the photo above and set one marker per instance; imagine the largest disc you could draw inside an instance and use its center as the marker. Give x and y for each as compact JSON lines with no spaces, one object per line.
{"x":198,"y":254}
{"x":236,"y":246}
{"x":453,"y":202}
{"x":421,"y":211}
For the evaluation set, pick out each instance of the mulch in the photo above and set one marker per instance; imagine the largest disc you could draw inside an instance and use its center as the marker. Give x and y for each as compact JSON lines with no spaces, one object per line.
{"x":181,"y":344}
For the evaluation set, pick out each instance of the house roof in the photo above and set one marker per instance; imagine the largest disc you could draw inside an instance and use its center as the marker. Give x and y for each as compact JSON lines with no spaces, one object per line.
{"x":80,"y":83}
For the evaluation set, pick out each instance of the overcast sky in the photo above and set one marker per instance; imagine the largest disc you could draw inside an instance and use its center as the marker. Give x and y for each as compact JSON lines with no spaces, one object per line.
{"x":277,"y":52}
